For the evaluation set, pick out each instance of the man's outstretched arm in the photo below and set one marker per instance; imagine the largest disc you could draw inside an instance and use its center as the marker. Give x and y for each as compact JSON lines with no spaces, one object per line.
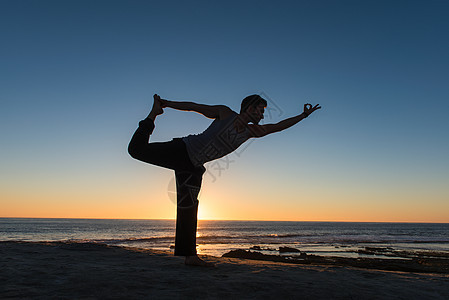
{"x":209,"y":111}
{"x":262,"y":130}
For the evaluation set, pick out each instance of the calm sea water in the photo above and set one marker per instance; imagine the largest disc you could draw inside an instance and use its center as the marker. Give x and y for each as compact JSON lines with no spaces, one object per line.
{"x":218,"y":237}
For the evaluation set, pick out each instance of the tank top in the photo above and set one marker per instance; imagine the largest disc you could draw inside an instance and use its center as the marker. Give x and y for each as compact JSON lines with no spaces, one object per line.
{"x":218,"y":140}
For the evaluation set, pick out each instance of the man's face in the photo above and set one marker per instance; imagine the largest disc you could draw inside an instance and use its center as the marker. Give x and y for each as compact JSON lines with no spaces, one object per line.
{"x":256,"y":113}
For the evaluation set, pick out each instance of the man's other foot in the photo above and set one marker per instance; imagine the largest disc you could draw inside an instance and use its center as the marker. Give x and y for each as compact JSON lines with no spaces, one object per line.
{"x":157,"y":105}
{"x":196,"y":261}
{"x":157,"y":108}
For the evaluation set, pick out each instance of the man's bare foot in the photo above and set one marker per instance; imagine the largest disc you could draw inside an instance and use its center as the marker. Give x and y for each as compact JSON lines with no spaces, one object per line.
{"x":157,"y":108}
{"x":196,"y":261}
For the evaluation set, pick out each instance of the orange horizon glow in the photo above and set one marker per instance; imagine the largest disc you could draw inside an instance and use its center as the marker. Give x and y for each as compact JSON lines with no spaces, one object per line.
{"x":243,"y":202}
{"x":168,"y":212}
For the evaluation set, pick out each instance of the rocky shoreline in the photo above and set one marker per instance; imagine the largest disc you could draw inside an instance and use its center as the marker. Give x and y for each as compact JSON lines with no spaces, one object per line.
{"x":406,"y":261}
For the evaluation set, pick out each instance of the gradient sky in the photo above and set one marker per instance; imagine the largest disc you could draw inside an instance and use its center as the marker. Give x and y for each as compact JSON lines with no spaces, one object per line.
{"x":77,"y":76}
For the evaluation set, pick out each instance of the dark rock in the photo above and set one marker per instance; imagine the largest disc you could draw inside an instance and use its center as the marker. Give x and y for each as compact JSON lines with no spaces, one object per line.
{"x":288,"y":249}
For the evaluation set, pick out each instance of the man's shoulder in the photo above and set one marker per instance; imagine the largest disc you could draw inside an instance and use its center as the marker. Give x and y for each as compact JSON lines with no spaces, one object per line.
{"x":225,"y":112}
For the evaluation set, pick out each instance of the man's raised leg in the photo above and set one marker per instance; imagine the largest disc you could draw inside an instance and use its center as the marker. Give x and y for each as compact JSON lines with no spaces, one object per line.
{"x":139,"y":141}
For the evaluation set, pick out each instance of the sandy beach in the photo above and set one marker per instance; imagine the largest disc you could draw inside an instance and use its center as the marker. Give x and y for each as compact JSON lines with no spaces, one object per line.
{"x":94,"y":271}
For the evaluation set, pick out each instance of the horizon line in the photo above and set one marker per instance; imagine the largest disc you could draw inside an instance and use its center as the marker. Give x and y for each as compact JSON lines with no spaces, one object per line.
{"x":230,"y":220}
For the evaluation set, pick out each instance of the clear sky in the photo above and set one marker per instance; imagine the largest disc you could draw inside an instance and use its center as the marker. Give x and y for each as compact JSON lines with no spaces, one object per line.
{"x":77,"y":76}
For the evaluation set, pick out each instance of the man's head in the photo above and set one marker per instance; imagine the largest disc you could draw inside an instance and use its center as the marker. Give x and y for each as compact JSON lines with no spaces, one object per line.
{"x":254,"y":107}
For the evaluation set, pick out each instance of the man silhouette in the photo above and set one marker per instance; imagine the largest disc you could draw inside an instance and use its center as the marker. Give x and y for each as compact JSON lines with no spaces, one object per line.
{"x":186,"y":156}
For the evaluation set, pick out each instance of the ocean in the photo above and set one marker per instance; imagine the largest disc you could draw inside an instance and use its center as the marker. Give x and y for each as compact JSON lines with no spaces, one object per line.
{"x":341,"y":239}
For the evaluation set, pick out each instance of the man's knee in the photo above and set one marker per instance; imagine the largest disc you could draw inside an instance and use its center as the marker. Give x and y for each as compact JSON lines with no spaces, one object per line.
{"x":134,"y":151}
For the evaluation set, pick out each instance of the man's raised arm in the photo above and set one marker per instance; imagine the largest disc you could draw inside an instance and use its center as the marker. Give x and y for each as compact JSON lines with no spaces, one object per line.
{"x":209,"y":111}
{"x":262,"y":130}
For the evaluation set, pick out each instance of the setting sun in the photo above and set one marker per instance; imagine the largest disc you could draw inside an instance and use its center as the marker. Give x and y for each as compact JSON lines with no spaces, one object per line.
{"x":204,"y":213}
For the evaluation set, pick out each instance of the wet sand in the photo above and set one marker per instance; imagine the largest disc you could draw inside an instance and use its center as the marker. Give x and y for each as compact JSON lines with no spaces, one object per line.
{"x":94,"y":271}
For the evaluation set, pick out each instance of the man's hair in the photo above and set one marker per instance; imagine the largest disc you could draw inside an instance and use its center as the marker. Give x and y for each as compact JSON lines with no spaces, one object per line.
{"x":252,"y":100}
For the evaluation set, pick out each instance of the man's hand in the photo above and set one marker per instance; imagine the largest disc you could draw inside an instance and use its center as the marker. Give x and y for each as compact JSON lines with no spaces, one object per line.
{"x":308,"y":109}
{"x":262,"y":130}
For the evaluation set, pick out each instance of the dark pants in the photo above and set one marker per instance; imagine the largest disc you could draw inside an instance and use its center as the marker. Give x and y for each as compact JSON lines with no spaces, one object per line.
{"x":173,"y":155}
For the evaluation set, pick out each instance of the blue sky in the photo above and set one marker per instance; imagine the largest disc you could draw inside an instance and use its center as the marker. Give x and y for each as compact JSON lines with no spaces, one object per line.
{"x":77,"y":76}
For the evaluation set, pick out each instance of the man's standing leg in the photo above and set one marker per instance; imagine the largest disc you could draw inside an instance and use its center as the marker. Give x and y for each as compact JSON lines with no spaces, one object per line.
{"x":188,"y":185}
